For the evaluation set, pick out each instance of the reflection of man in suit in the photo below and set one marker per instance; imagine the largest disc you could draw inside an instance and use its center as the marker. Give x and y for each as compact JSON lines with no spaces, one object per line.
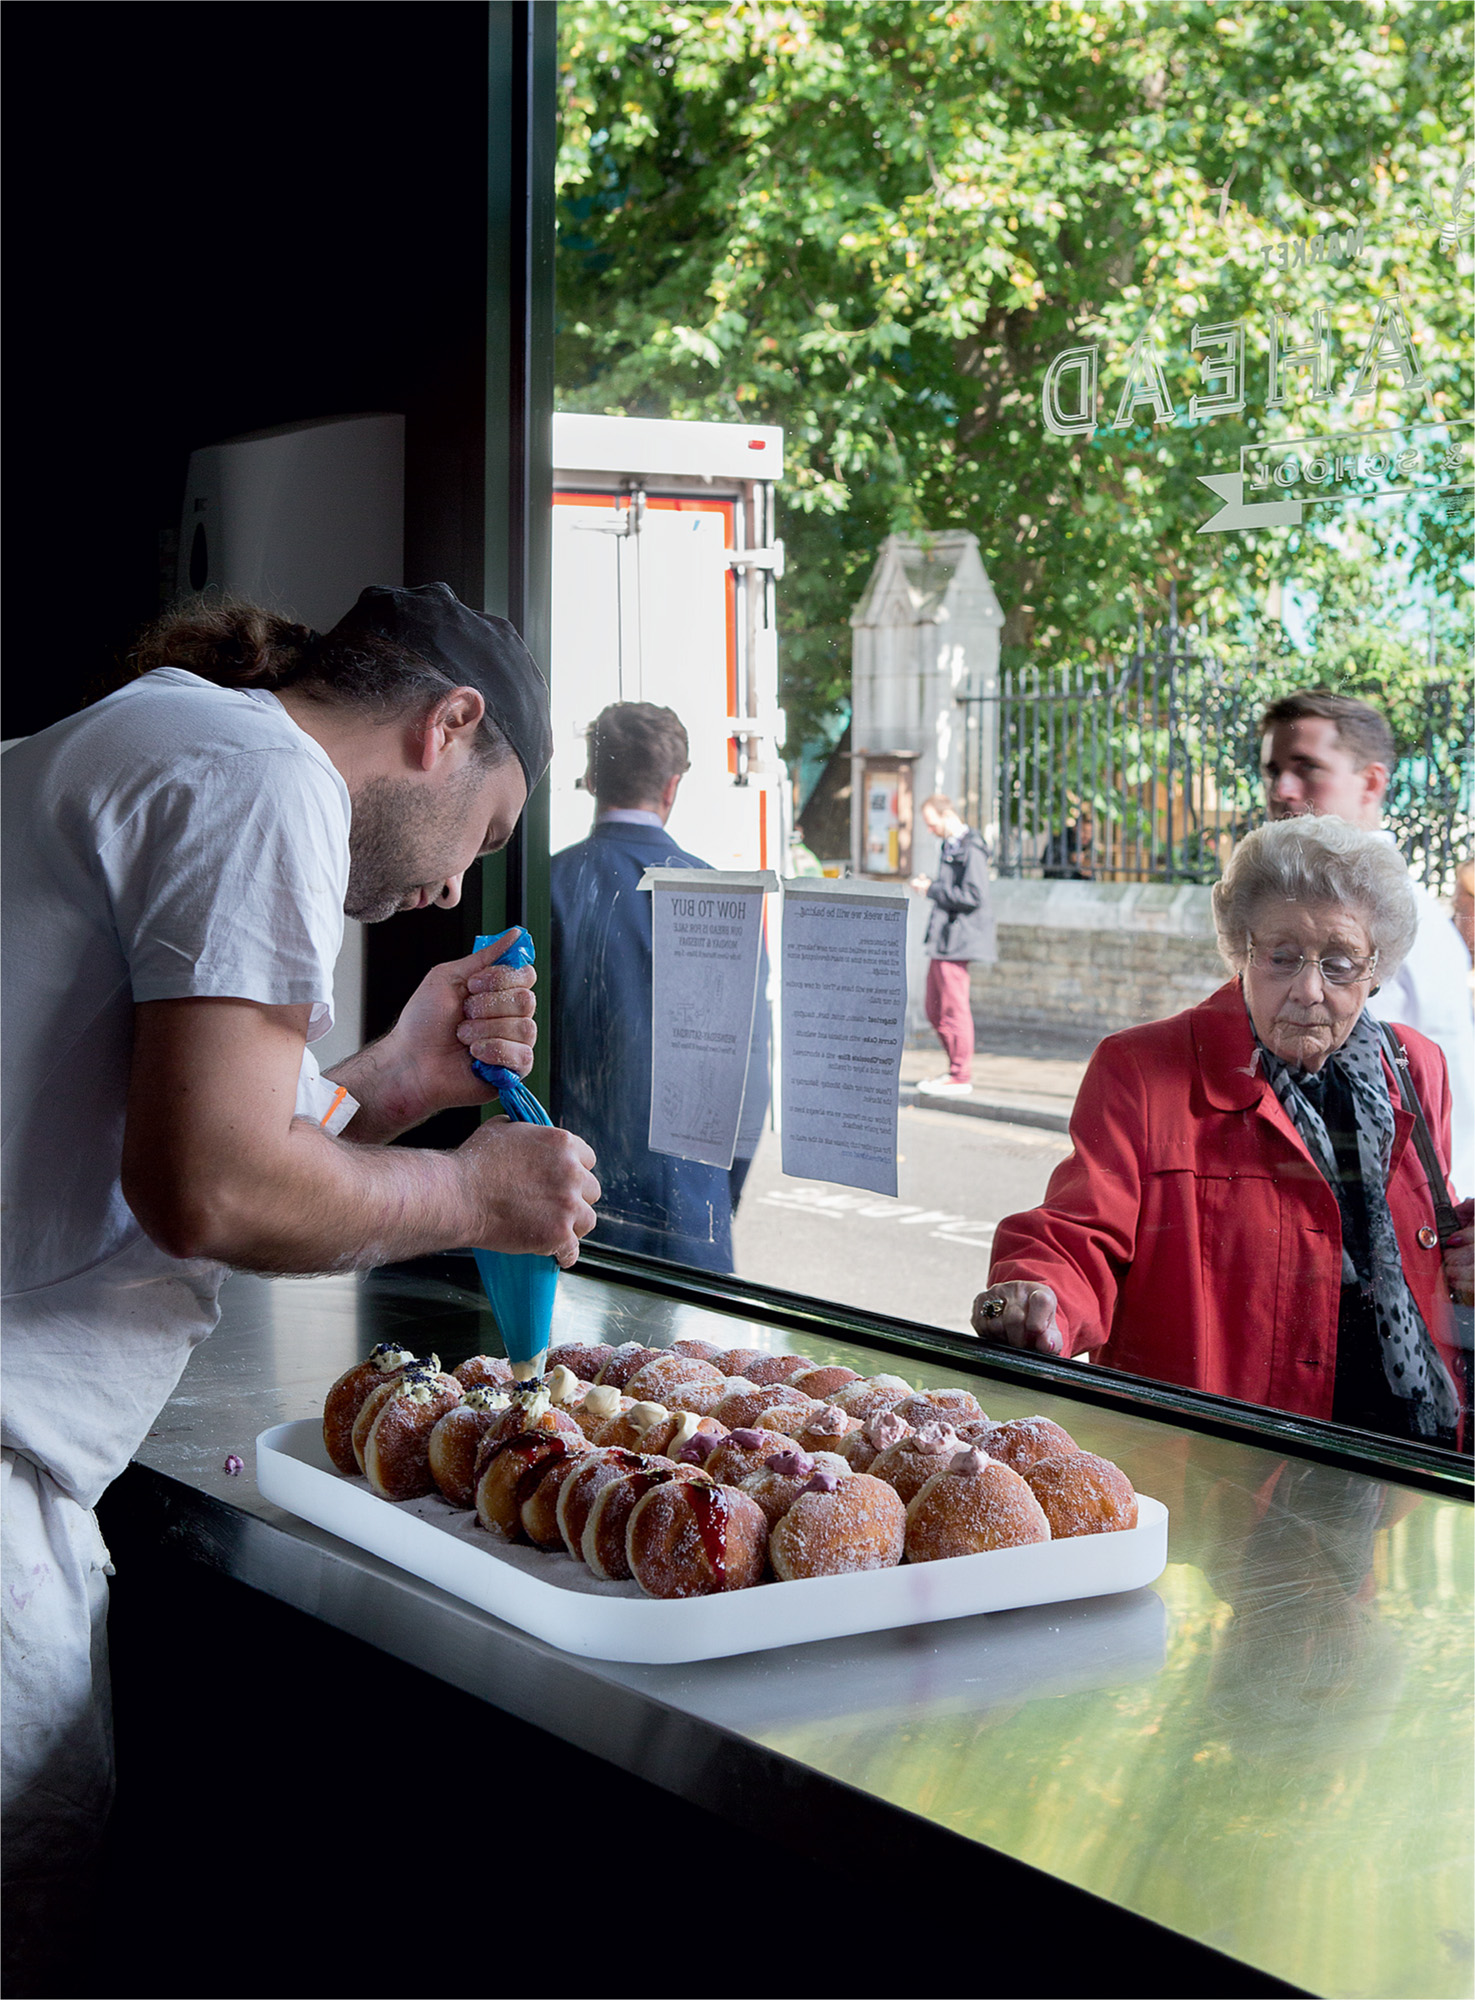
{"x":653,"y":1203}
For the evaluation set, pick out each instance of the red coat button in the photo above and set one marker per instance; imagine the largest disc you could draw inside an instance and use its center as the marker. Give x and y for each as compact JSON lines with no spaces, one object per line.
{"x":1429,"y":1237}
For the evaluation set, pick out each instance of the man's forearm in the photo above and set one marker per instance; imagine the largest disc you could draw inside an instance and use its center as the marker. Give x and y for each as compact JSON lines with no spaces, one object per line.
{"x":319,"y":1205}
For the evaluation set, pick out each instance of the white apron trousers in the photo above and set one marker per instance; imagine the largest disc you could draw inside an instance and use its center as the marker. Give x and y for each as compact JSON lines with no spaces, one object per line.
{"x":56,"y":1724}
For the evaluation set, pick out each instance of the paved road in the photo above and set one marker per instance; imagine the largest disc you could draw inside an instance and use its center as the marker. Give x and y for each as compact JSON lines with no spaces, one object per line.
{"x":923,"y":1255}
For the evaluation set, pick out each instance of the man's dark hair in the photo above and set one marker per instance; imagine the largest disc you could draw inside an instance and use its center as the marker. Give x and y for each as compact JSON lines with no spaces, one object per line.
{"x":240,"y":645}
{"x":635,"y":749}
{"x":1361,"y":730}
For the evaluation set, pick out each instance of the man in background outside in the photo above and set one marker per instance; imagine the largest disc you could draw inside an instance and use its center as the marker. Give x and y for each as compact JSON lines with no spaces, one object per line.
{"x":960,"y":933}
{"x":1326,"y":753}
{"x":653,"y":1202}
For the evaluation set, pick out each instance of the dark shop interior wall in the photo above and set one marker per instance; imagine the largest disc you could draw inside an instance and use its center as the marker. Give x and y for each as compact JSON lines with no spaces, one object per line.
{"x":222,"y":218}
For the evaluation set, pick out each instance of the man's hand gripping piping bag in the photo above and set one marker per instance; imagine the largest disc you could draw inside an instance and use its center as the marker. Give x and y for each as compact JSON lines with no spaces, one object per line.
{"x":519,"y":1289}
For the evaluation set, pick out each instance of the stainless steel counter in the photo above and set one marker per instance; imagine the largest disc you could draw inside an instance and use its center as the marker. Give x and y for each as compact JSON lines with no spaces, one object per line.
{"x":1268,"y":1753}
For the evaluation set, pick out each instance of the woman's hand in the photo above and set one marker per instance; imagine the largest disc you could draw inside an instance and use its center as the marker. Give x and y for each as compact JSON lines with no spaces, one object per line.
{"x":1459,"y":1257}
{"x":1021,"y":1314}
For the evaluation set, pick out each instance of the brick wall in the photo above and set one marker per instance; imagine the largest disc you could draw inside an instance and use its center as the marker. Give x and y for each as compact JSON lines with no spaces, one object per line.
{"x":1096,"y":956}
{"x":1092,"y":981}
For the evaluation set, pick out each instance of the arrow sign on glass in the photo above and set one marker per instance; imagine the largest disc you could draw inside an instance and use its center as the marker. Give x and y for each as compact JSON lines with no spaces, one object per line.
{"x":1236,"y":512}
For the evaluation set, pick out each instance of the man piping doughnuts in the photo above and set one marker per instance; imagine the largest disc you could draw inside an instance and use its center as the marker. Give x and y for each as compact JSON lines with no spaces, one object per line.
{"x":178,"y":862}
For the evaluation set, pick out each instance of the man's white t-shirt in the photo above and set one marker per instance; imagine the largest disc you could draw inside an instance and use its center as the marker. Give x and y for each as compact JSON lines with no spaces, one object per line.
{"x":1431,"y":992}
{"x":178,"y":840}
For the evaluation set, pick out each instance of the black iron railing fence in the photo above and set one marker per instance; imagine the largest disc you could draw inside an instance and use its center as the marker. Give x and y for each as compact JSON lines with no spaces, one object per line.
{"x":1147,"y":770}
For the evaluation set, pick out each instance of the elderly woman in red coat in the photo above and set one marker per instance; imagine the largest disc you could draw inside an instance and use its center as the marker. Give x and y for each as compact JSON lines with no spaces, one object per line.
{"x":1243,"y":1210}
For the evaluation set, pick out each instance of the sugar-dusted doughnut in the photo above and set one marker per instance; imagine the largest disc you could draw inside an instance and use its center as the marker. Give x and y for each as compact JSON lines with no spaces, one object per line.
{"x":870,"y":1395}
{"x":778,"y":1368}
{"x":511,"y":1471}
{"x":580,"y":1490}
{"x":374,"y":1402}
{"x":734,"y":1360}
{"x":821,"y":1426}
{"x":651,"y":1427}
{"x":908,"y":1464}
{"x":628,"y":1358}
{"x":585,"y":1357}
{"x":949,"y":1406}
{"x":699,"y":1350}
{"x":1024,"y":1441}
{"x":632,"y":1425}
{"x":539,"y":1513}
{"x":739,"y":1409}
{"x":783,"y":1477}
{"x":975,"y":1432}
{"x":484,"y":1371}
{"x":529,"y":1409}
{"x":688,"y":1539}
{"x":598,"y":1406}
{"x":838,"y":1526}
{"x":668,"y":1371}
{"x":455,"y":1441}
{"x":346,"y":1398}
{"x":974,"y":1503}
{"x":700,"y":1398}
{"x":862,"y":1447}
{"x":603,"y":1541}
{"x":790,"y":1417}
{"x":1082,"y":1494}
{"x":741,"y":1453}
{"x":397,"y":1447}
{"x":823,"y":1382}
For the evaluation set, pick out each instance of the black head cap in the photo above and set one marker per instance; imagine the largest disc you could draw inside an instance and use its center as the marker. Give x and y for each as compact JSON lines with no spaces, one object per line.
{"x":474,"y":649}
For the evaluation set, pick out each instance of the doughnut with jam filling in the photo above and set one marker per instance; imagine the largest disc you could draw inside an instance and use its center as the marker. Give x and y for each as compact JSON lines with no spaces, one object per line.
{"x":510,"y":1474}
{"x":603,"y":1541}
{"x":694,"y":1539}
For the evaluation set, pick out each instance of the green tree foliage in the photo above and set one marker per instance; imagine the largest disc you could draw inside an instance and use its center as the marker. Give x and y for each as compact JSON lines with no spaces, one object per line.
{"x":875,"y":221}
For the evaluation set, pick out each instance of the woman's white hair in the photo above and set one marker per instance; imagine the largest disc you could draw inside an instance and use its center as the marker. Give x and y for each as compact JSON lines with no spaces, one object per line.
{"x":1316,"y":860}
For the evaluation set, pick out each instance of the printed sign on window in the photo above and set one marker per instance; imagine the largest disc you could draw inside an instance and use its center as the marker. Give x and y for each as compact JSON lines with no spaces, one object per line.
{"x":707,"y":933}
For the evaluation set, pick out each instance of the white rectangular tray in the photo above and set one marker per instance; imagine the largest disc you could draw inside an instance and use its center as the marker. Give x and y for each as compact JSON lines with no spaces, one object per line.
{"x":558,"y":1599}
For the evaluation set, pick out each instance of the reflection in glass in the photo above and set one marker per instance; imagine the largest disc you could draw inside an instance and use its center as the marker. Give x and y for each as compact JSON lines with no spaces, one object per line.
{"x":655,"y":1203}
{"x":1174,"y":350}
{"x":1259,"y":1242}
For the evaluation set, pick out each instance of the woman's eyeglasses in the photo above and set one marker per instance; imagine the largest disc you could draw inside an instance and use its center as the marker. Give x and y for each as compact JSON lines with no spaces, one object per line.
{"x":1338,"y":968}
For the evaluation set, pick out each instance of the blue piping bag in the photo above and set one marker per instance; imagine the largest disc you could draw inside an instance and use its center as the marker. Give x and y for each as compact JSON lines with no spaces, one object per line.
{"x":519,"y":1289}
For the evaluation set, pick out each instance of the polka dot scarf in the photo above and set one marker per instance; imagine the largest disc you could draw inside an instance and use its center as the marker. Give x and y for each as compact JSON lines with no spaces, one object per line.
{"x":1410,"y":1359}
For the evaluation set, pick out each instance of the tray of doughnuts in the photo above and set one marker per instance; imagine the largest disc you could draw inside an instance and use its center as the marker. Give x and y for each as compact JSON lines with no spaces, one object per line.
{"x":689,"y":1503}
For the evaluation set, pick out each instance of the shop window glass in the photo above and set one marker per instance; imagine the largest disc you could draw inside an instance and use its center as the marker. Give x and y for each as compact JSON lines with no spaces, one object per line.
{"x":1005,"y":404}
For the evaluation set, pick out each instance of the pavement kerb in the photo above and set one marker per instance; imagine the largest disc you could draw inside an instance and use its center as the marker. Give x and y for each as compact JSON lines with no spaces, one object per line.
{"x":997,"y":1109}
